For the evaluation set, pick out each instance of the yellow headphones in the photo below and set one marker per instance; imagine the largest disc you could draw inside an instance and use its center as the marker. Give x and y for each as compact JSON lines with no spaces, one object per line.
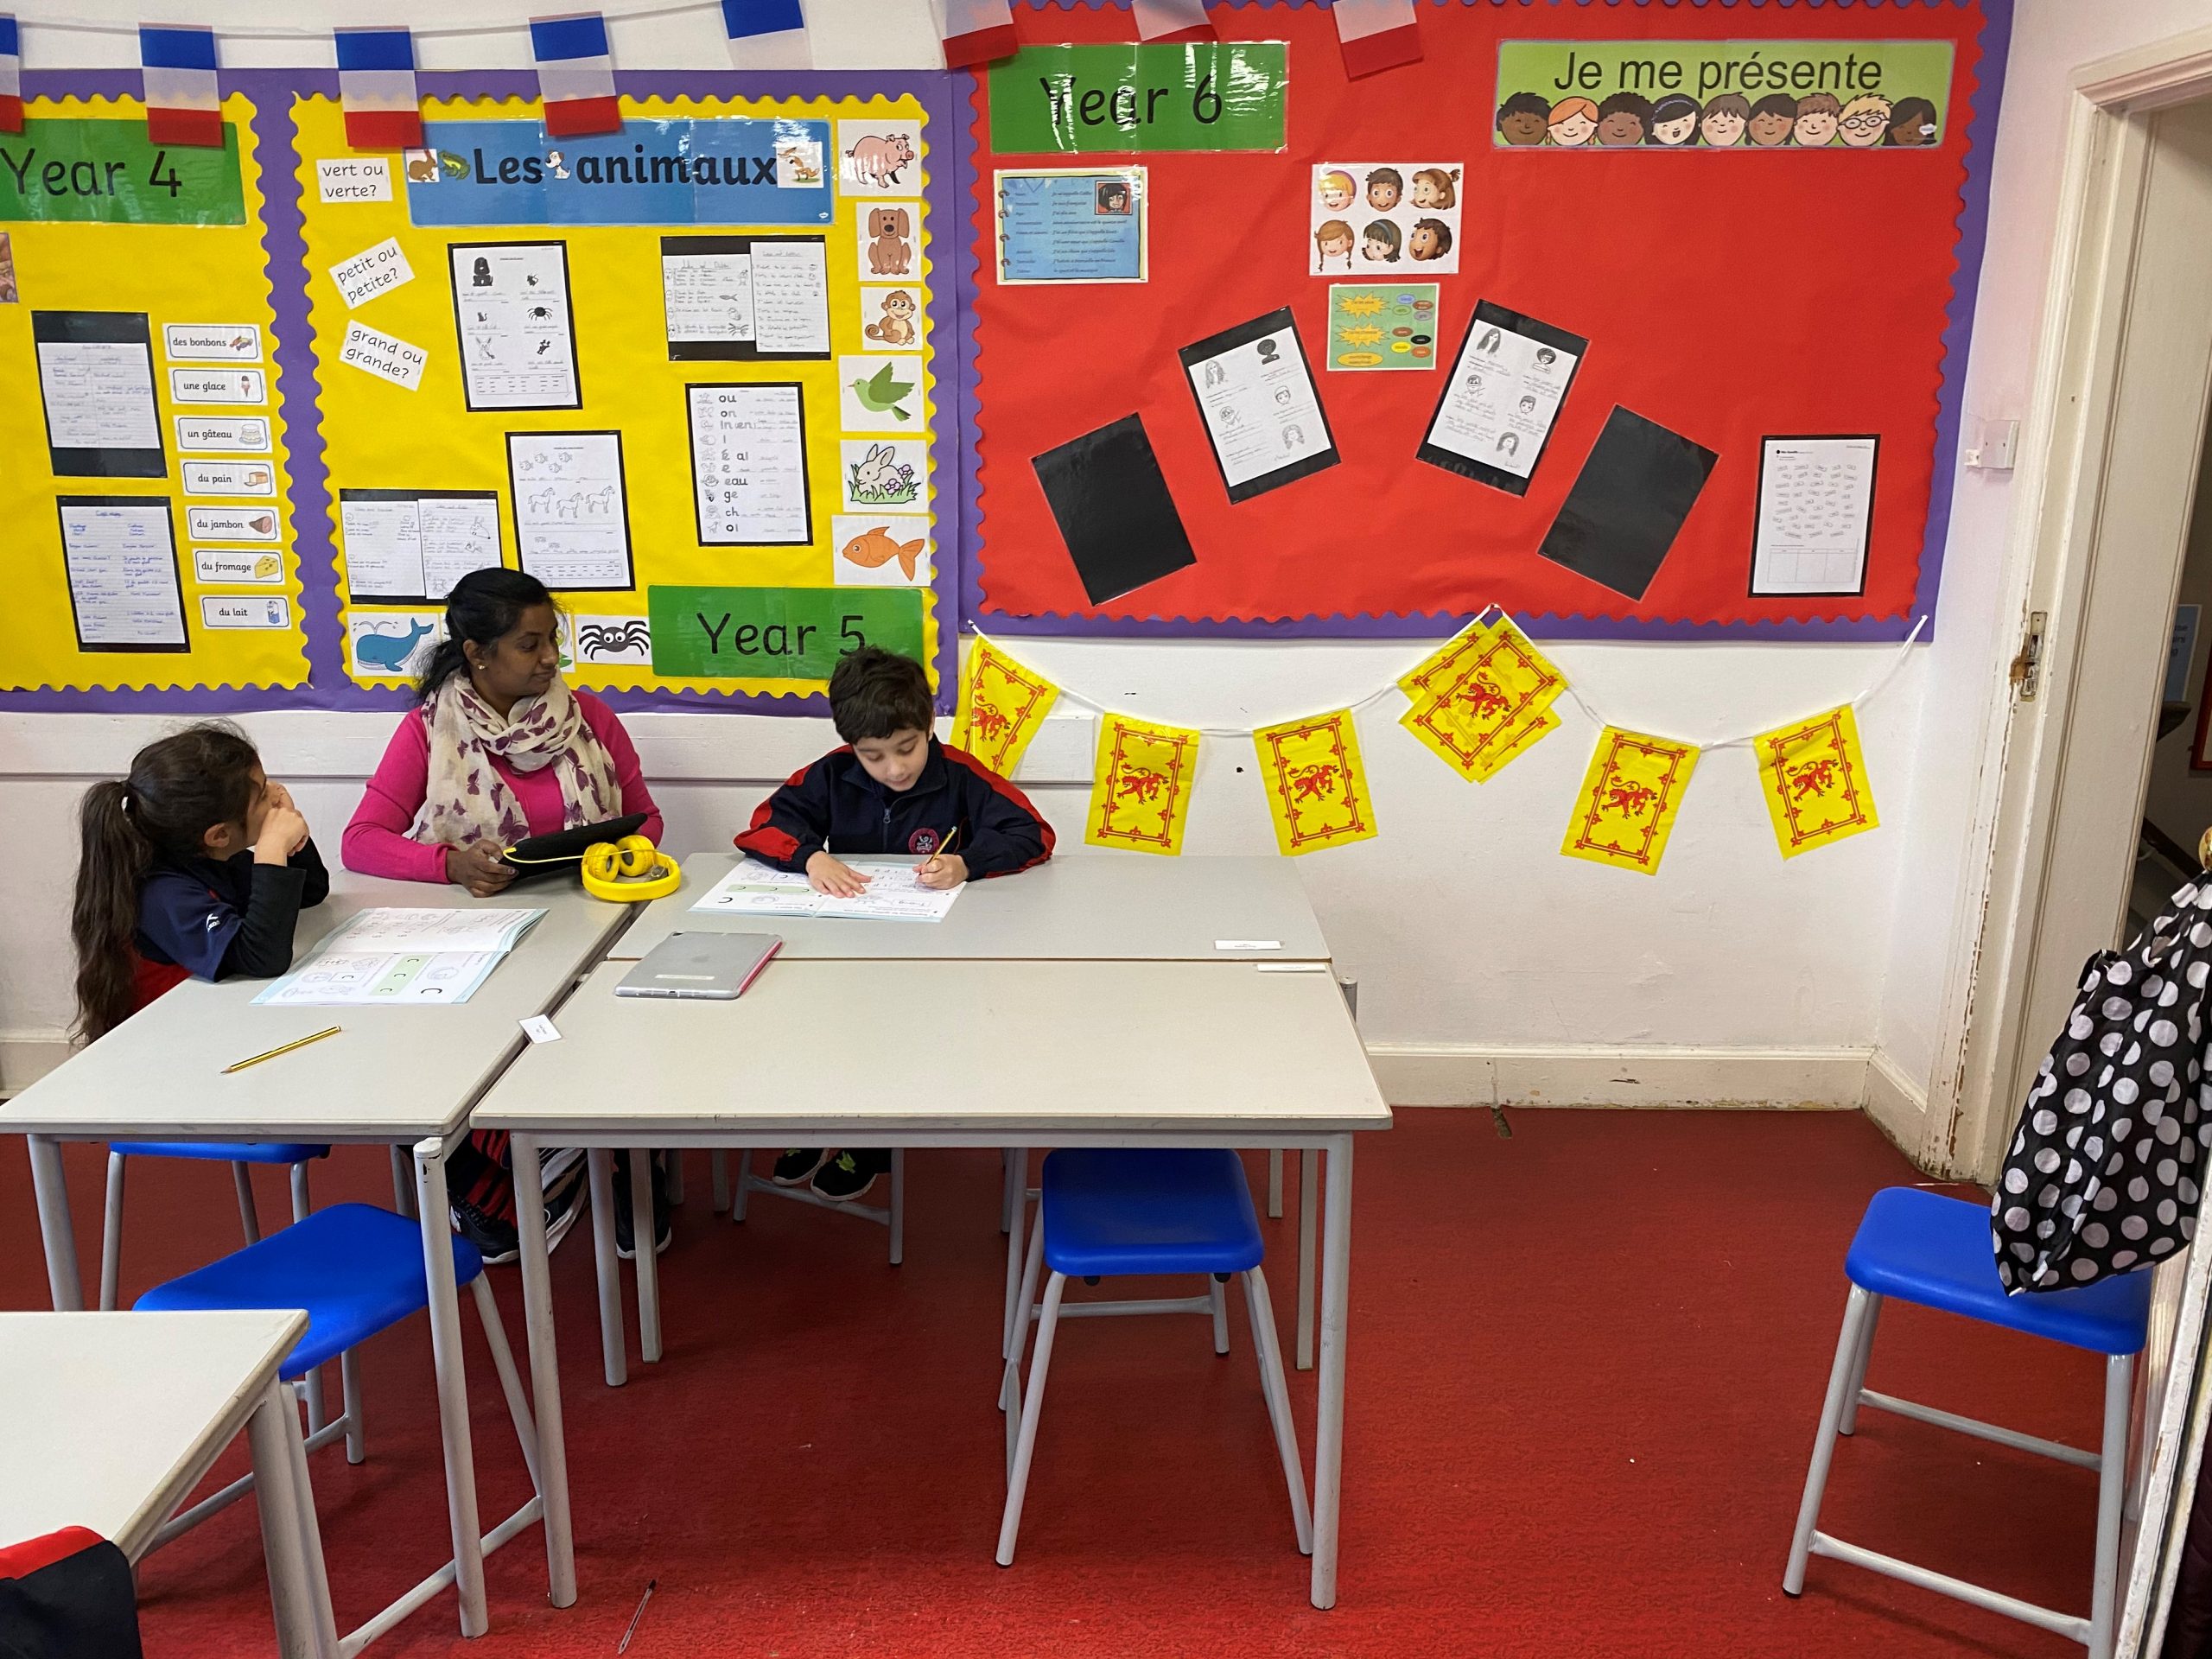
{"x":629,"y":871}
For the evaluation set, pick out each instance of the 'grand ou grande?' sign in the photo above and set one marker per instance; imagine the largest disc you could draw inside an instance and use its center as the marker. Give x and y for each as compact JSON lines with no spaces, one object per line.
{"x":737,"y":170}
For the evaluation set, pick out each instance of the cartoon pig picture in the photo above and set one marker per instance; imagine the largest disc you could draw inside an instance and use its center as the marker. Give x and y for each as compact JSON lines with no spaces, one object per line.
{"x":878,"y":158}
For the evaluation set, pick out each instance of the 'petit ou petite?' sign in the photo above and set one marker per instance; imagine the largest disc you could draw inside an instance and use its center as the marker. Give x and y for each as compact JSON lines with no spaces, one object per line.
{"x":1073,"y":99}
{"x":107,"y":172}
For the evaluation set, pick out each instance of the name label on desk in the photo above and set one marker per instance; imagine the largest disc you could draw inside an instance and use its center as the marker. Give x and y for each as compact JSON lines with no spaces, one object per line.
{"x":1248,"y":945}
{"x":539,"y":1029}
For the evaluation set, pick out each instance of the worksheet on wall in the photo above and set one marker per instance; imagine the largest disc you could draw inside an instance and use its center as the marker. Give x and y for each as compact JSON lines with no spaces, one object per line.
{"x":96,"y":376}
{"x":749,"y":465}
{"x":415,"y":545}
{"x":120,"y":554}
{"x":893,"y":895}
{"x":1496,"y":413}
{"x":572,"y":523}
{"x":739,"y":298}
{"x":518,"y":340}
{"x":1816,"y":511}
{"x":1262,"y":411}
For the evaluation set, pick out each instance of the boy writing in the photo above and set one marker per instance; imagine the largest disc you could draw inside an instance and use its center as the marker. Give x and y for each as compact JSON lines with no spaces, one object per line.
{"x":893,"y":788}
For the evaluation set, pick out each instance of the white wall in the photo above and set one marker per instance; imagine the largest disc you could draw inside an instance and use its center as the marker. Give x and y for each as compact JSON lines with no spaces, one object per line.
{"x":1489,"y":964}
{"x":2179,"y":800}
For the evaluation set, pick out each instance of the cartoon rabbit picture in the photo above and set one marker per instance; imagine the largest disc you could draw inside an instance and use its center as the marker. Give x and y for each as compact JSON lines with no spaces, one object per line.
{"x":879,"y":476}
{"x":889,"y":252}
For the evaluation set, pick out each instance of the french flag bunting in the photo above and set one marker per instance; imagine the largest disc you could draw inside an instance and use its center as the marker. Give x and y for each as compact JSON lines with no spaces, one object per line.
{"x":766,"y":34}
{"x":974,"y":31}
{"x":575,"y":74}
{"x":182,"y":106}
{"x":1171,"y":20}
{"x":1375,"y":34}
{"x":11,"y":74}
{"x":376,"y":85}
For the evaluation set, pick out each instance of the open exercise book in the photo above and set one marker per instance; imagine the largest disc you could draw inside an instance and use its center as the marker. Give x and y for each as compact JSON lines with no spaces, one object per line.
{"x":403,"y":957}
{"x":893,"y":895}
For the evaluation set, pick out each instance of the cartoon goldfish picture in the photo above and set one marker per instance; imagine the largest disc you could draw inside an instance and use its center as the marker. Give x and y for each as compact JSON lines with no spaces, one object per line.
{"x":874,"y":547}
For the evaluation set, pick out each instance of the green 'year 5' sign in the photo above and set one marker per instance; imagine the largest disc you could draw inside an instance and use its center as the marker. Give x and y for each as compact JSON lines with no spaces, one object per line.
{"x":776,"y":634}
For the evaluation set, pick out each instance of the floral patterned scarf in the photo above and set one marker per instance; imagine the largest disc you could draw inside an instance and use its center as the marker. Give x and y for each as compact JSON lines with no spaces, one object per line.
{"x":465,"y":800}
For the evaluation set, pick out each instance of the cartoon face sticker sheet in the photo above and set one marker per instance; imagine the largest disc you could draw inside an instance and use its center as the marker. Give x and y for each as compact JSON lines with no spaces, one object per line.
{"x":1383,"y":219}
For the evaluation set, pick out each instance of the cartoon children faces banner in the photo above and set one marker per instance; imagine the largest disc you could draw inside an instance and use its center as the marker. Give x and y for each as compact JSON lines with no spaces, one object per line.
{"x":605,"y":396}
{"x":1770,"y":94}
{"x":147,"y":484}
{"x":1384,"y":217}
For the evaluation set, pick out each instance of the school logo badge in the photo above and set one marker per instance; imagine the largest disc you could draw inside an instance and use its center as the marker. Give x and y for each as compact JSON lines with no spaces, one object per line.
{"x":922,"y":840}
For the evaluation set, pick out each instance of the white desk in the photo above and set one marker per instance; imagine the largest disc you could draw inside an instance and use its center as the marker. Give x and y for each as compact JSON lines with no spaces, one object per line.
{"x":1041,"y":1054}
{"x":113,"y":1418}
{"x":394,"y":1076}
{"x":1082,"y":906}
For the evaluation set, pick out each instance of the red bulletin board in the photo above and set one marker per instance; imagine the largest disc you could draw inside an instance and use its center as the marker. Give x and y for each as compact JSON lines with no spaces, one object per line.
{"x":1726,"y":295}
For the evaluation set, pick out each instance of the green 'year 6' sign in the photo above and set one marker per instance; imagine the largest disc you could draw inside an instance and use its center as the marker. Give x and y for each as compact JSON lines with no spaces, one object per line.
{"x":776,"y":634}
{"x":108,"y":172}
{"x":1067,"y":100}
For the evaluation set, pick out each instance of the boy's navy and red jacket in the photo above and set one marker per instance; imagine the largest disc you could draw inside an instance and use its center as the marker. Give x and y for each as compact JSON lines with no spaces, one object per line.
{"x":834,"y":805}
{"x":222,"y":918}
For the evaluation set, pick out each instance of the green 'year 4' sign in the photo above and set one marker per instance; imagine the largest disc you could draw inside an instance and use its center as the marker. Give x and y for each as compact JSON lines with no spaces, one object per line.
{"x":776,"y":634}
{"x":1070,"y":99}
{"x":108,"y":172}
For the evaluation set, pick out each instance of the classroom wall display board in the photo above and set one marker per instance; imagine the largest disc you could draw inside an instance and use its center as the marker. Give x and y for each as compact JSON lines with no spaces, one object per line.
{"x":144,"y":482}
{"x":685,"y":373}
{"x":1640,"y":321}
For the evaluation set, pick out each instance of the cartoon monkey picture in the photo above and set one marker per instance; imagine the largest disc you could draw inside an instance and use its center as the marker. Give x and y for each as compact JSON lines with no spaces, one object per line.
{"x":897,"y":328}
{"x":889,"y":252}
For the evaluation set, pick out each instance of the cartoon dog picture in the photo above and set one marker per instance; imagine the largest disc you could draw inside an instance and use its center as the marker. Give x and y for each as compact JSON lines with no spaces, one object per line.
{"x":889,"y":252}
{"x":879,"y":158}
{"x":897,"y":326}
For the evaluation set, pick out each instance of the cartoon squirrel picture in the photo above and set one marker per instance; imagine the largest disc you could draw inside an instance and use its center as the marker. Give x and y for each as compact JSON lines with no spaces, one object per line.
{"x":897,"y":328}
{"x":889,"y":253}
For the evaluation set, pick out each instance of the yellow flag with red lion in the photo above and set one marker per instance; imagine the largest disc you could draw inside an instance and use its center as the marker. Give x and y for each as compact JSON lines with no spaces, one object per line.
{"x":1141,"y":789}
{"x":1813,"y":774}
{"x":1316,"y":787}
{"x":1629,"y":800}
{"x":1002,"y":705}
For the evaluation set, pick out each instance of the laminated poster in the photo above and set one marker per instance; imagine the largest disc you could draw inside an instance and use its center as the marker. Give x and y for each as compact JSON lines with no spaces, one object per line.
{"x":95,"y":377}
{"x":1261,"y":412}
{"x":1495,"y":415}
{"x":572,"y":525}
{"x":416,"y":544}
{"x":120,"y":555}
{"x":518,"y":340}
{"x":1072,"y":226}
{"x":1377,"y":218}
{"x":744,"y":298}
{"x":1816,"y":515}
{"x":1382,"y":325}
{"x":748,"y":464}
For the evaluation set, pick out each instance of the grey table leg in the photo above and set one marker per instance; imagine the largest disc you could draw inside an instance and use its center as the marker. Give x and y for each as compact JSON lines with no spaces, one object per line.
{"x":1016,"y":1209}
{"x":52,"y":1183}
{"x":601,"y":1162}
{"x":453,"y":1385}
{"x":544,"y":1373}
{"x":646,"y":1259}
{"x":1309,"y":1194}
{"x":1329,"y":1417}
{"x":304,"y":1630}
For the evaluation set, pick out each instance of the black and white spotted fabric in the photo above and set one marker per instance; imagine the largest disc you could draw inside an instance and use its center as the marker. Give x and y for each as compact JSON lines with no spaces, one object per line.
{"x":2104,"y":1170}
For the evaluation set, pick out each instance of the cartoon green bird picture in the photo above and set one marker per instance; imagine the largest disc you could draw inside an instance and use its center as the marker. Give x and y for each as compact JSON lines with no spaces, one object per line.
{"x":879,"y":392}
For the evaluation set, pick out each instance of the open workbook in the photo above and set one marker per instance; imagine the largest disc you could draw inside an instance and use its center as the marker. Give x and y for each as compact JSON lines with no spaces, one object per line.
{"x":399,"y":955}
{"x":893,"y":895}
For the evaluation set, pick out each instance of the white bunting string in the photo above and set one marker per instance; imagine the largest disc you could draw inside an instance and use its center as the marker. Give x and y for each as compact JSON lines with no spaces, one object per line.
{"x":299,"y":32}
{"x":1596,"y":716}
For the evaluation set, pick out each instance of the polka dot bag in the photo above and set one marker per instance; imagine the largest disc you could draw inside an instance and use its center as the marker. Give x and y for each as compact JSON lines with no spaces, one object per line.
{"x":2103,"y":1172}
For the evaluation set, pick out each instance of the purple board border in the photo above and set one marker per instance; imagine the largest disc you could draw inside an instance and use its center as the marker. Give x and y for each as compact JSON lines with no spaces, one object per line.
{"x":328,"y":686}
{"x":1958,"y":330}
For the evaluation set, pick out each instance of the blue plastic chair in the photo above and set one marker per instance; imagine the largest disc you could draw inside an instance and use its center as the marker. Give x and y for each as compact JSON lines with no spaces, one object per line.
{"x":239,"y":1154}
{"x":1103,"y":1212}
{"x":357,"y":1270}
{"x":1922,"y":1246}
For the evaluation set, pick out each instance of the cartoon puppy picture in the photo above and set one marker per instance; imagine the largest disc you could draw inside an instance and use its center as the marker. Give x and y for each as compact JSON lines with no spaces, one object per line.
{"x":889,"y":251}
{"x":1431,"y":239}
{"x":896,"y":326}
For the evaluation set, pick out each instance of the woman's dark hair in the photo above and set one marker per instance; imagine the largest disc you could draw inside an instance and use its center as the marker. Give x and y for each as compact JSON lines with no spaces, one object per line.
{"x":875,"y":693}
{"x":179,"y":787}
{"x":483,"y":608}
{"x":1674,"y":107}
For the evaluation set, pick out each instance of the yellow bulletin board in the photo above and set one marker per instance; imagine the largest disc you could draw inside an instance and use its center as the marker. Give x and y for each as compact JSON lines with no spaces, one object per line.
{"x":136,"y":274}
{"x":404,"y":426}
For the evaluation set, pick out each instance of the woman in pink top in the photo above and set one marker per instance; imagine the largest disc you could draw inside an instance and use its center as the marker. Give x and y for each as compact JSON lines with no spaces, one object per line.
{"x":500,"y":748}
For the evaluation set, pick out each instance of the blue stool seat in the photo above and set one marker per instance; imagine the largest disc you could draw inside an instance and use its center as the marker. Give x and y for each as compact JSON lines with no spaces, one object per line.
{"x":226,"y":1152}
{"x":1922,"y":1246}
{"x":1126,"y":1209}
{"x":355,"y":1268}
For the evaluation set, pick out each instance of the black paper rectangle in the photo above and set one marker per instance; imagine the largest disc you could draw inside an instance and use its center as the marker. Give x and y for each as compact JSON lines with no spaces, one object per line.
{"x":102,"y":328}
{"x":1633,"y":493}
{"x":1111,"y":503}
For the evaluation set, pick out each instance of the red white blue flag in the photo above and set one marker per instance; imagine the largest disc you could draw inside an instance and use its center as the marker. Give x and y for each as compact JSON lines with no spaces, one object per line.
{"x":376,"y":85}
{"x":182,"y":105}
{"x":575,"y":74}
{"x":974,"y":31}
{"x":766,"y":34}
{"x":11,"y":74}
{"x":1375,"y":34}
{"x":1171,"y":20}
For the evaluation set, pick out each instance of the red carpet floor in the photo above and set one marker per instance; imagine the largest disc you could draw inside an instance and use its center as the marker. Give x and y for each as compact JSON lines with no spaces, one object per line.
{"x":1585,"y":1366}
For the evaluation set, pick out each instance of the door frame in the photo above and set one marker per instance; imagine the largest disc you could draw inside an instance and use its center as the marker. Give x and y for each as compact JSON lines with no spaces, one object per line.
{"x":1985,"y":1048}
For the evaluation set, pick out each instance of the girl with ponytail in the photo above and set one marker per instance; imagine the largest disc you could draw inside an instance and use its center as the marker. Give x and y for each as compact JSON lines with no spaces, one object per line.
{"x":195,"y":865}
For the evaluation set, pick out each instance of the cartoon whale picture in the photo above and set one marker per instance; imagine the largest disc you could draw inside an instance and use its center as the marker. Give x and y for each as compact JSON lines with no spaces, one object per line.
{"x":874,"y":548}
{"x":387,"y":653}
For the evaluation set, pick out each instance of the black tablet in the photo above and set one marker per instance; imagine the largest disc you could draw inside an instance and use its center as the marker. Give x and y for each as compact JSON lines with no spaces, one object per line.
{"x":563,"y":850}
